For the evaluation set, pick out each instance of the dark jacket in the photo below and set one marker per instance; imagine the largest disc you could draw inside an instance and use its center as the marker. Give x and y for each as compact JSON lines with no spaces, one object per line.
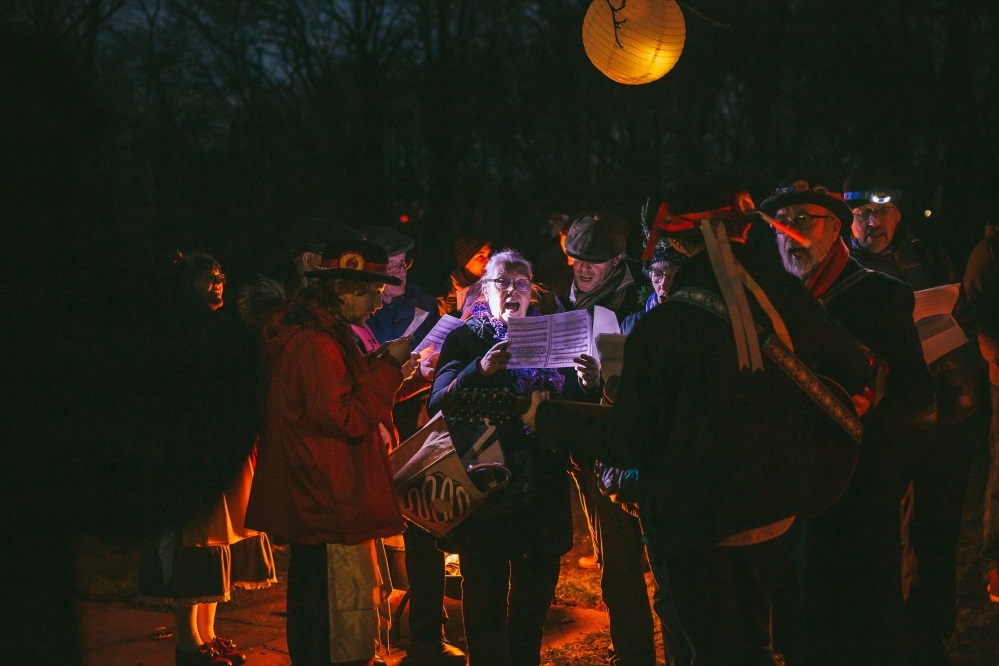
{"x":532,"y":514}
{"x":908,"y":259}
{"x":391,"y":320}
{"x":981,"y":287}
{"x":877,"y":311}
{"x":922,"y":266}
{"x":719,"y":450}
{"x":389,"y":323}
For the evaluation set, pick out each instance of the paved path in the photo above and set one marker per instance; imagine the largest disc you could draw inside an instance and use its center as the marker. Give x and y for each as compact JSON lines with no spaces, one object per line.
{"x":116,"y":634}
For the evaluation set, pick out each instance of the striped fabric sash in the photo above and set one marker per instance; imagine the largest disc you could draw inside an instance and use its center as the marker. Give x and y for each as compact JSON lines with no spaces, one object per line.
{"x":811,"y":384}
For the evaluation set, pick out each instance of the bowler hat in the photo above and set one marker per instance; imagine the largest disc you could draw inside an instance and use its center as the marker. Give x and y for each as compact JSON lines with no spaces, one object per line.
{"x":596,"y":238}
{"x":353,"y":259}
{"x":794,"y":191}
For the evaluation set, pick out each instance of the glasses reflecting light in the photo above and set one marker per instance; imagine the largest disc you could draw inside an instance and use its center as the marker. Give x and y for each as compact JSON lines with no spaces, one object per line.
{"x":801,"y":221}
{"x":520,"y":284}
{"x":399,"y":267}
{"x":865,"y":214}
{"x":657,"y":275}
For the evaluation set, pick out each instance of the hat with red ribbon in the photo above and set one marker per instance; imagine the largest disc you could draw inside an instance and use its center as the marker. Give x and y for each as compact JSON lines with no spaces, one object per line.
{"x":353,"y":259}
{"x":687,"y":225}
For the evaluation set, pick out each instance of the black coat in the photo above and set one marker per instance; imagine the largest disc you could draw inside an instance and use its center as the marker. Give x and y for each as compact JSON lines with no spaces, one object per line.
{"x":532,"y":514}
{"x":719,"y":450}
{"x":877,"y":311}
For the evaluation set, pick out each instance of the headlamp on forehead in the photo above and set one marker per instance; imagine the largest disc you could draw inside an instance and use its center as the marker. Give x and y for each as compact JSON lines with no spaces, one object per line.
{"x":861,"y":197}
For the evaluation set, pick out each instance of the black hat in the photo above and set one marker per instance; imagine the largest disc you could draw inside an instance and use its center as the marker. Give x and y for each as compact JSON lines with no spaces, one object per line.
{"x":391,"y":240}
{"x":596,"y":237}
{"x":794,"y":191}
{"x":349,"y":259}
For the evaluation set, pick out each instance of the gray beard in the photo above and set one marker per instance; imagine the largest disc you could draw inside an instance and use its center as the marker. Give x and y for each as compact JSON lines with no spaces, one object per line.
{"x":803,"y":268}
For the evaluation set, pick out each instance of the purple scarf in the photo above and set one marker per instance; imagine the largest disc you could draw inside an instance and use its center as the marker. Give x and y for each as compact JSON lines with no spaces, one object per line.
{"x":525,"y":380}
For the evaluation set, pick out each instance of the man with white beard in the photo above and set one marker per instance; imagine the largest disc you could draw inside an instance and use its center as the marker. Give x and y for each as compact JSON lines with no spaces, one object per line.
{"x":848,"y":558}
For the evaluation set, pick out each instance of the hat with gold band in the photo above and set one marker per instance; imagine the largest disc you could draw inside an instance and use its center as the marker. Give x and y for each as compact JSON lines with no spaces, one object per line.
{"x":361,"y":260}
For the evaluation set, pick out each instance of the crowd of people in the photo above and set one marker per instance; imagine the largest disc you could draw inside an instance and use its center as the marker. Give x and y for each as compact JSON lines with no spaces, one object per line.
{"x":776,"y":449}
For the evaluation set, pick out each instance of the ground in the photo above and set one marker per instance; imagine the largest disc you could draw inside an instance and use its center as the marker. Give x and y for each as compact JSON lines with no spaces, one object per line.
{"x":576,"y":633}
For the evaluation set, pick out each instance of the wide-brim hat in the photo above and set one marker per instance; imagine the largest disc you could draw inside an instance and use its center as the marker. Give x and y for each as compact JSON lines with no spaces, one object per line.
{"x":596,"y":238}
{"x":795,"y":191}
{"x":352,"y":259}
{"x":391,"y":240}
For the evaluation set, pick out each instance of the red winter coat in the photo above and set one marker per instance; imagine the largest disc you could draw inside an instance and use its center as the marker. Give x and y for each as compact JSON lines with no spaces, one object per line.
{"x":322,"y":473}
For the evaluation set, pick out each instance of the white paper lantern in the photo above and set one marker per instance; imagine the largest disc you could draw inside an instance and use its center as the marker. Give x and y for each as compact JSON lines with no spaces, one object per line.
{"x":634,"y":41}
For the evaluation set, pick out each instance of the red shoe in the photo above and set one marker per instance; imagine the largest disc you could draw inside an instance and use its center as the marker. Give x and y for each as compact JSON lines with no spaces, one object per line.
{"x":205,"y":656}
{"x":228,"y":650}
{"x":994,"y":585}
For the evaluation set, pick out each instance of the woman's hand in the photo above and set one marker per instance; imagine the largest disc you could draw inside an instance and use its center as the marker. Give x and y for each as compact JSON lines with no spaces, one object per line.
{"x":428,"y":365}
{"x":409,"y":367}
{"x":400,"y":349}
{"x":495,"y":359}
{"x":588,"y":371}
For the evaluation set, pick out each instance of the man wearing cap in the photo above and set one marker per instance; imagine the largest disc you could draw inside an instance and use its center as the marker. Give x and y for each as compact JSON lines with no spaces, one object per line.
{"x":602,"y":275}
{"x":424,"y":563}
{"x":323,"y":482}
{"x":723,"y":439}
{"x":880,"y":241}
{"x":850,"y":555}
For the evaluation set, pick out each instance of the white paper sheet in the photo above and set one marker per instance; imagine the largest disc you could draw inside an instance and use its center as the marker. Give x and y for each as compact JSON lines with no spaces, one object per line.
{"x":435,"y":338}
{"x":610,"y":353}
{"x":604,"y":322}
{"x":938,"y":330}
{"x":549,"y":341}
{"x":419,"y":316}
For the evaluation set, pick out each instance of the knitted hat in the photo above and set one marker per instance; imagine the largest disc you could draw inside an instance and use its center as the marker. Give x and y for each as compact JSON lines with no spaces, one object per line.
{"x":596,"y":237}
{"x":466,"y":246}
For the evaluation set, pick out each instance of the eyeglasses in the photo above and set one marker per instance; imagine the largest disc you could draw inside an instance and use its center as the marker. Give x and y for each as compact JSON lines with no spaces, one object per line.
{"x":216,"y":278}
{"x":401,"y":267}
{"x":802,"y":221}
{"x":657,"y":275}
{"x":864,"y":214}
{"x":520,"y":284}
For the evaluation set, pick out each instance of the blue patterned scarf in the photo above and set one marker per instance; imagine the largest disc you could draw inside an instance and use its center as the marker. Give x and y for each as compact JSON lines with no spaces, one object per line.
{"x":525,"y":380}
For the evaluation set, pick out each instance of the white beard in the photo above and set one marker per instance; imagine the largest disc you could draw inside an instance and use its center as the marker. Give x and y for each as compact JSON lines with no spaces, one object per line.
{"x":804,"y":266}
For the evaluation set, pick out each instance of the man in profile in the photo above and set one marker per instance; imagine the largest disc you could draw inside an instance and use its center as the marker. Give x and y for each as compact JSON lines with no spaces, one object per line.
{"x":849,"y":557}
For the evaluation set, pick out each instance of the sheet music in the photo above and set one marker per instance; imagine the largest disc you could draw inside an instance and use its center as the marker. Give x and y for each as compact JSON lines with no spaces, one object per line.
{"x":938,"y":330}
{"x":549,"y":341}
{"x":435,"y":338}
{"x":419,"y":316}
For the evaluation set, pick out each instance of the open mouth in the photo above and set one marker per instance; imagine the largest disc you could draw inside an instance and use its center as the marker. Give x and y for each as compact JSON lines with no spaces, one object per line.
{"x":511,"y":306}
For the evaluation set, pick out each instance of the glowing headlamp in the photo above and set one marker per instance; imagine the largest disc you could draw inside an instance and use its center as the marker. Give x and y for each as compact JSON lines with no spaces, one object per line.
{"x":860,"y":197}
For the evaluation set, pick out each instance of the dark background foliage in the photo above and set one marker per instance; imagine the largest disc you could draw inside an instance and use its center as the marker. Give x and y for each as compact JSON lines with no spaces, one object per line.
{"x":131,"y":128}
{"x":225,"y":124}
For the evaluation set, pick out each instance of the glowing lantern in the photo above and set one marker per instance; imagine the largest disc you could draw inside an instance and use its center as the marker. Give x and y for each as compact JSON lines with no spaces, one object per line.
{"x":633,"y":41}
